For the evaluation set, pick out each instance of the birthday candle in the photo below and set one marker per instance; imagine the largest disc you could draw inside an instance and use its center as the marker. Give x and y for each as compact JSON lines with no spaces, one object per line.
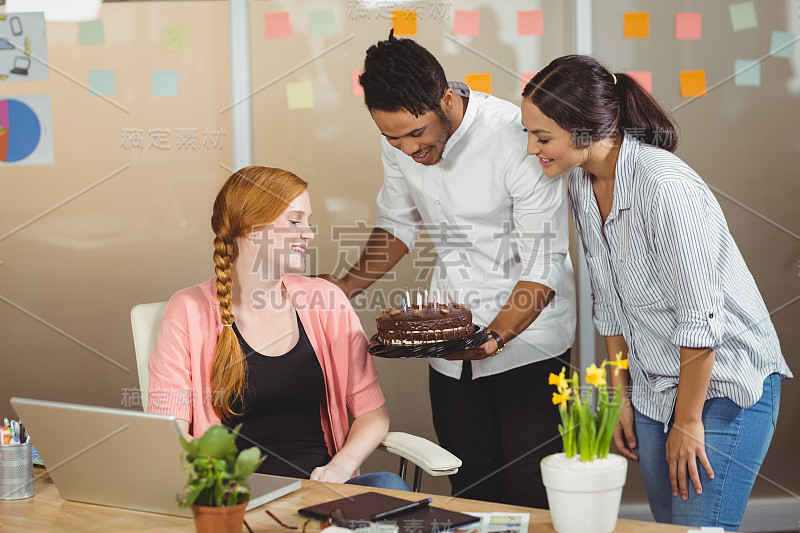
{"x":405,"y":309}
{"x":426,"y":298}
{"x":419,"y":299}
{"x":408,"y":297}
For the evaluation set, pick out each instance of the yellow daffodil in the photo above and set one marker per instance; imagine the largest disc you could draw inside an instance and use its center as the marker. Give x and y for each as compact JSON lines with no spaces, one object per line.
{"x":619,"y":364}
{"x":596,"y":376}
{"x":561,"y":398}
{"x":559,"y":381}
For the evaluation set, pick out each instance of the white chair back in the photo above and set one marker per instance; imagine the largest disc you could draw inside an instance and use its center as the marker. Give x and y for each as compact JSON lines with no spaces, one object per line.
{"x":146,"y":323}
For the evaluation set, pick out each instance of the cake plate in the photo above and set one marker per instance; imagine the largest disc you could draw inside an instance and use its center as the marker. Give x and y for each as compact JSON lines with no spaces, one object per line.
{"x":431,"y":349}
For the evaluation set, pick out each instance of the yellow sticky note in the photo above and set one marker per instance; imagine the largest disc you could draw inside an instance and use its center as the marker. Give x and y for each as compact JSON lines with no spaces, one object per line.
{"x":404,"y":22}
{"x":637,"y":25}
{"x":480,"y":82}
{"x":300,"y":95}
{"x":693,"y":83}
{"x":176,"y":38}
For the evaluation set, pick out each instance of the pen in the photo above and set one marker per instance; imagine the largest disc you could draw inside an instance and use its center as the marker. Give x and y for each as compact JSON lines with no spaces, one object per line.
{"x":403,"y":508}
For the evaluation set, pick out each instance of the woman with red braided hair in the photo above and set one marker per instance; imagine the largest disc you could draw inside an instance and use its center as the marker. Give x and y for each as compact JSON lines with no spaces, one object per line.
{"x":264,"y":346}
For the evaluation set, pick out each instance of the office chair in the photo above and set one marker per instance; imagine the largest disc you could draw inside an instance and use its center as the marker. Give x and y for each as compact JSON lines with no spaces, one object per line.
{"x":433,"y":459}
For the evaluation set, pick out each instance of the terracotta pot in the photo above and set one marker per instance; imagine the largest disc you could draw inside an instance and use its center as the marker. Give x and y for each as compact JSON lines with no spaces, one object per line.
{"x":219,"y":519}
{"x":584,"y":497}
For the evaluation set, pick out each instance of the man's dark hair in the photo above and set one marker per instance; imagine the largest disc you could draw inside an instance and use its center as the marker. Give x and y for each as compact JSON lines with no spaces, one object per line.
{"x":401,"y":74}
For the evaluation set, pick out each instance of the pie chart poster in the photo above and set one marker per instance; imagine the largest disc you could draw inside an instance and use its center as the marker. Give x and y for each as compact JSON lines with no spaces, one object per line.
{"x":26,"y":131}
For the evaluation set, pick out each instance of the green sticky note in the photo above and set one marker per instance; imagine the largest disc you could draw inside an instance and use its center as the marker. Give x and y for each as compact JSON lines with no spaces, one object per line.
{"x":101,"y":81}
{"x":782,"y":44}
{"x":91,"y":32}
{"x":747,"y":73}
{"x":321,"y":23}
{"x":165,"y":82}
{"x":300,"y":95}
{"x":743,"y":16}
{"x":176,"y":38}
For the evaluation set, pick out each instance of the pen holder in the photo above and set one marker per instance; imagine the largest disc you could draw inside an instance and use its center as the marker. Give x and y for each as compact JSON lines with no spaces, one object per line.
{"x":16,"y":471}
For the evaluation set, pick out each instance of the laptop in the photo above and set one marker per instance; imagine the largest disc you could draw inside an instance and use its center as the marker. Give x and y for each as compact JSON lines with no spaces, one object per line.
{"x":21,"y":66}
{"x":120,"y":458}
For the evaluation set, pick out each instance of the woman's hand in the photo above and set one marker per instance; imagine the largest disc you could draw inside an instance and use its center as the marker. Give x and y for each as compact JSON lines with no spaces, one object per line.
{"x":332,"y":473}
{"x":685,"y":445}
{"x":624,"y":437}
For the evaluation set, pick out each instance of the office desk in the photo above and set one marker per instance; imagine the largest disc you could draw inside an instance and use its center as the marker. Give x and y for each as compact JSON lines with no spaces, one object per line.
{"x":46,"y":511}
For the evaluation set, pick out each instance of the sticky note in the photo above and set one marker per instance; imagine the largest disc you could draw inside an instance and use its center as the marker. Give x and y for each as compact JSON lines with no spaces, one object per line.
{"x":101,"y":81}
{"x":404,"y":22}
{"x":693,"y":83}
{"x":321,"y":23}
{"x":782,"y":44}
{"x":643,"y":78}
{"x":530,"y":22}
{"x":358,"y":90}
{"x":524,"y":78}
{"x":636,"y":25}
{"x":688,"y":25}
{"x":165,"y":82}
{"x":480,"y":82}
{"x":743,"y":16}
{"x":300,"y":95}
{"x":91,"y":32}
{"x":747,"y":73}
{"x":466,"y":22}
{"x":176,"y":38}
{"x":278,"y":25}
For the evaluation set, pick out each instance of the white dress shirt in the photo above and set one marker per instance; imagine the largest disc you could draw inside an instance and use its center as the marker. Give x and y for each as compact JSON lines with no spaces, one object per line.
{"x":668,"y":274}
{"x":494,"y":220}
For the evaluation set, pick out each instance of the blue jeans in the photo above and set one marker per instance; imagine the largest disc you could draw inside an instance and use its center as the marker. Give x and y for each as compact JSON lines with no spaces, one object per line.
{"x":736,"y":442}
{"x":381,"y":480}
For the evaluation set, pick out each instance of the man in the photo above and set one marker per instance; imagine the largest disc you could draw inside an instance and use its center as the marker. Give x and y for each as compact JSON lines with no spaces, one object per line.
{"x":456,"y":161}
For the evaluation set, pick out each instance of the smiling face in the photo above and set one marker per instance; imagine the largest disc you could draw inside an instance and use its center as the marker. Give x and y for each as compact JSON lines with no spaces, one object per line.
{"x":422,"y":138}
{"x":549,"y":142}
{"x":281,"y":245}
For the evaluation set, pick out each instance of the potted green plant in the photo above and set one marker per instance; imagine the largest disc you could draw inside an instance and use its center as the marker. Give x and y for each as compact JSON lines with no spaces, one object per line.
{"x":217,"y":489}
{"x":586,"y":476}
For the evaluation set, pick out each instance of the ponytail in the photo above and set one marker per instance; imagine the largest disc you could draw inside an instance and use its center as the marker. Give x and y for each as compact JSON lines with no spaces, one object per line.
{"x":230,"y":365}
{"x":582,"y":96}
{"x":641,"y":116}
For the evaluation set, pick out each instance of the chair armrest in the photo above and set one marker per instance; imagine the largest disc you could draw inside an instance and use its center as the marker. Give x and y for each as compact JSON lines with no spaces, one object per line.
{"x":432,"y":458}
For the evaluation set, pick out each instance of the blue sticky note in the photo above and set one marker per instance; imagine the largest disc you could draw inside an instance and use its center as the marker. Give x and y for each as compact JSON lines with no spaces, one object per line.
{"x":782,"y":44}
{"x":747,"y":73}
{"x":165,"y":82}
{"x":321,"y":23}
{"x":101,"y":81}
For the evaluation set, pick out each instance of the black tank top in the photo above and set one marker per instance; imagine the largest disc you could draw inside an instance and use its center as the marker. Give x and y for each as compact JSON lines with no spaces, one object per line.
{"x":283,"y":395}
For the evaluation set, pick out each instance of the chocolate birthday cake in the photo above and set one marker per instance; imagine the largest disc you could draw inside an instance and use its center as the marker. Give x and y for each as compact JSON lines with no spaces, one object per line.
{"x":426,"y":324}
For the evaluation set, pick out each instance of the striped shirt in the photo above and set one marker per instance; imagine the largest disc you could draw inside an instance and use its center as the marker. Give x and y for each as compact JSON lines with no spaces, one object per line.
{"x":669,"y":274}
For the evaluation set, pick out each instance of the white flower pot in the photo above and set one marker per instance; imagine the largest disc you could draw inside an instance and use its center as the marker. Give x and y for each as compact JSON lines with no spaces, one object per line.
{"x":584,"y":497}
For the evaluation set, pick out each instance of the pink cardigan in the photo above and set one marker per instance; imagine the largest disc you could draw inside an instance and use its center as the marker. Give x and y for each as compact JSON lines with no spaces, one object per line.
{"x":180,"y":366}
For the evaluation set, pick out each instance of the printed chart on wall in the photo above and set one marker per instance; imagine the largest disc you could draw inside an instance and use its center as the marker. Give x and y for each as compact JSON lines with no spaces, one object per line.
{"x":26,"y":133}
{"x":23,"y":47}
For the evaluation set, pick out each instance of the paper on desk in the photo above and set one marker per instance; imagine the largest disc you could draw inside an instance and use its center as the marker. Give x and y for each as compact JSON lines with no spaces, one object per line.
{"x":498,"y":523}
{"x":707,"y":530}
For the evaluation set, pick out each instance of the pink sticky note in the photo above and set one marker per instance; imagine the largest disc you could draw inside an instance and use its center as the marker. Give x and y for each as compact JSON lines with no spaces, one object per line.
{"x":643,"y":78}
{"x":358,"y":90}
{"x":688,"y":25}
{"x":278,"y":25}
{"x":524,"y":78}
{"x":530,"y":22}
{"x":466,"y":22}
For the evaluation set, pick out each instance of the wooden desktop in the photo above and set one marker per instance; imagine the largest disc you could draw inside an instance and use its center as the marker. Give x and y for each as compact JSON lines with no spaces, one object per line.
{"x":46,"y":511}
